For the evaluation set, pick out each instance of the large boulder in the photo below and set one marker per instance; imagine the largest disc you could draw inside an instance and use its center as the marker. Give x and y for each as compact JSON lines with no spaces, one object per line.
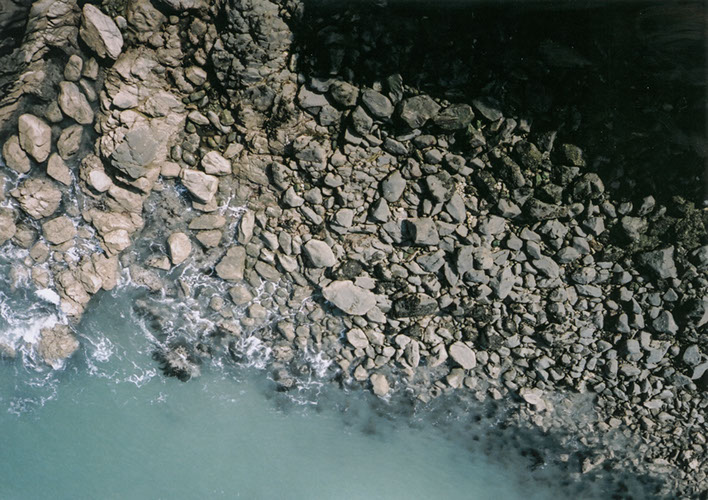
{"x":202,"y":186}
{"x":14,"y":155}
{"x":349,"y":297}
{"x":38,"y":197}
{"x":100,"y":32}
{"x":35,"y":136}
{"x":660,"y":263}
{"x":179,"y":247}
{"x":56,"y":344}
{"x":463,"y":355}
{"x":74,"y":103}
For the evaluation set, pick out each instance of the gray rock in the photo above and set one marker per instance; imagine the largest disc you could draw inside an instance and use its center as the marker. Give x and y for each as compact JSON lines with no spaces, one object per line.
{"x":547,"y":266}
{"x":416,"y":111}
{"x":692,"y":355}
{"x":378,"y":104}
{"x":74,"y":104}
{"x":423,"y":231}
{"x":179,"y":247}
{"x":463,"y":355}
{"x":454,"y":117}
{"x":14,"y":155}
{"x":35,"y":136}
{"x":456,"y":208}
{"x":503,"y":283}
{"x":415,"y":305}
{"x":136,"y":152}
{"x":665,"y":323}
{"x":488,"y":107}
{"x":311,"y":101}
{"x":393,"y":186}
{"x":357,"y":338}
{"x":633,"y":227}
{"x":344,"y":93}
{"x":319,"y":253}
{"x":361,"y":121}
{"x":380,"y":211}
{"x":100,"y":32}
{"x":660,"y":263}
{"x":232,"y":265}
{"x":441,"y":187}
{"x":539,"y":210}
{"x":349,"y":298}
{"x":292,"y":199}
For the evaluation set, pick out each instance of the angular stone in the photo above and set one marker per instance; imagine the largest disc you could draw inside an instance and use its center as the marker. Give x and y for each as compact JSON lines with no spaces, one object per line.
{"x":208,"y":221}
{"x":423,"y":231}
{"x":7,"y":226}
{"x":100,"y":32}
{"x":393,"y":186}
{"x":489,"y":108}
{"x":69,"y":141}
{"x":179,"y":246}
{"x":136,"y":152}
{"x":215,"y":164}
{"x":202,"y":186}
{"x":245,"y":227}
{"x":349,"y":298}
{"x":35,"y":136}
{"x":416,"y":111}
{"x":319,"y":253}
{"x":547,"y":266}
{"x":72,"y":70}
{"x":38,"y":197}
{"x":344,"y":93}
{"x":57,"y":169}
{"x":463,"y":355}
{"x":664,"y":323}
{"x":59,"y":230}
{"x":357,"y":338}
{"x":14,"y":155}
{"x":99,"y":181}
{"x":378,"y":104}
{"x":232,"y":265}
{"x":379,"y":384}
{"x":74,"y":104}
{"x":660,"y":263}
{"x":454,"y":117}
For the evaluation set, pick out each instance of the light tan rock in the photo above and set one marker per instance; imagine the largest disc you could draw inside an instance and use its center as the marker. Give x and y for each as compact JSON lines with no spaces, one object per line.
{"x":14,"y":155}
{"x":100,"y":32}
{"x":38,"y":197}
{"x":72,"y":70}
{"x":69,"y":141}
{"x":35,"y":136}
{"x":232,"y":265}
{"x":58,"y":170}
{"x":179,"y":247}
{"x":7,"y":225}
{"x":57,"y":344}
{"x":107,"y":269}
{"x":59,"y":230}
{"x":115,"y":242}
{"x":210,"y":238}
{"x":379,"y":384}
{"x":74,"y":103}
{"x":202,"y":186}
{"x":215,"y":164}
{"x":99,"y":181}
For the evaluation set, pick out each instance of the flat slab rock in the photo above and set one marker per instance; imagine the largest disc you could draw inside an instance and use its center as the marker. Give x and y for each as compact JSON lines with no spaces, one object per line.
{"x":349,"y":298}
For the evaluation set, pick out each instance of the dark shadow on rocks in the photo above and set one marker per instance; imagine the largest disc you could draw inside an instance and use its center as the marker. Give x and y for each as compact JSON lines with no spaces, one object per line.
{"x":612,"y":79}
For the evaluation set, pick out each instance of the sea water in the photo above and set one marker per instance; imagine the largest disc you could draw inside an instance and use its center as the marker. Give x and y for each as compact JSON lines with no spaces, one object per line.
{"x":109,"y":424}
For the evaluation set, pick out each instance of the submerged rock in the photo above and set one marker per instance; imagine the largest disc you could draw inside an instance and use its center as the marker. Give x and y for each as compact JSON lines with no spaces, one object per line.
{"x":180,"y":360}
{"x":57,"y":344}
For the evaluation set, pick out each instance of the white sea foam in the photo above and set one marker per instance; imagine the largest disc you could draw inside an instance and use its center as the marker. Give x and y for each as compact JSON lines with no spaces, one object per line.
{"x":49,"y":295}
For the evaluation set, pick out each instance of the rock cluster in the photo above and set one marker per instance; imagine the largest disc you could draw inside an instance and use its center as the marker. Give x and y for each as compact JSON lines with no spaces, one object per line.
{"x":417,"y":233}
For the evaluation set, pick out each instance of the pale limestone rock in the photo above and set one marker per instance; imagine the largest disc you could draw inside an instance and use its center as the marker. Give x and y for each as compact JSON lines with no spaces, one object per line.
{"x":74,"y":103}
{"x":57,"y":169}
{"x":59,"y":230}
{"x":35,"y":136}
{"x":14,"y":155}
{"x":179,"y":247}
{"x":100,"y":32}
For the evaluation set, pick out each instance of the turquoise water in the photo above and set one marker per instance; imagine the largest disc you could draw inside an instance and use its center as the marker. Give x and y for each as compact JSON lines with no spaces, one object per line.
{"x":110,"y":425}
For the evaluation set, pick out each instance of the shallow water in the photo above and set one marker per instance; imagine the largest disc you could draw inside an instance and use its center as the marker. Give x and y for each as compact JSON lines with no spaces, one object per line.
{"x":110,"y":425}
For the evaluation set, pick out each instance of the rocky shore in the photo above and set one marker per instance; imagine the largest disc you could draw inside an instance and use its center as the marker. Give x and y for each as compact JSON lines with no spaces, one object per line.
{"x":408,"y":197}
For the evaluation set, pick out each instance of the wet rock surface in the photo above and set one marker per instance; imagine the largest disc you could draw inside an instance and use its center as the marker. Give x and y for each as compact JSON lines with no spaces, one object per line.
{"x":430,"y":206}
